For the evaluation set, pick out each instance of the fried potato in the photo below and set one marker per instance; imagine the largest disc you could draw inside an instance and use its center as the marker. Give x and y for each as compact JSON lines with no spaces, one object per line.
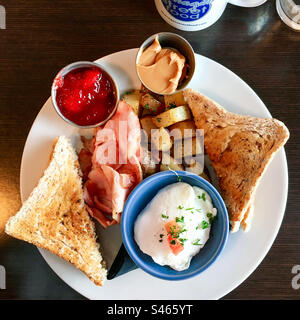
{"x":204,"y":176}
{"x":195,"y":167}
{"x":149,"y":165}
{"x":133,"y":99}
{"x":172,"y":116}
{"x":176,"y":99}
{"x":169,"y":163}
{"x":188,"y":125}
{"x":187,"y":147}
{"x":161,"y":140}
{"x":147,"y":124}
{"x":151,"y":104}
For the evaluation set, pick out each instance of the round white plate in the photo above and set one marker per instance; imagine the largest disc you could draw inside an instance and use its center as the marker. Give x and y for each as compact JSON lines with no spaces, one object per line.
{"x":243,"y":252}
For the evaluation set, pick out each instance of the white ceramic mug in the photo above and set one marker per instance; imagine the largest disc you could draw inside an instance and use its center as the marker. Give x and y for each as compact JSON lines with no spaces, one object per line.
{"x":193,"y":15}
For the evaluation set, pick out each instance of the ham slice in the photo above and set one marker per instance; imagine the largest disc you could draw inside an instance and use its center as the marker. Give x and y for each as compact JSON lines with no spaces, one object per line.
{"x":110,"y":162}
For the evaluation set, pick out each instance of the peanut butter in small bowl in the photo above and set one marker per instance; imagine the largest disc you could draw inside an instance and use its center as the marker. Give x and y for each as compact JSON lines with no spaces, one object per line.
{"x":165,"y":63}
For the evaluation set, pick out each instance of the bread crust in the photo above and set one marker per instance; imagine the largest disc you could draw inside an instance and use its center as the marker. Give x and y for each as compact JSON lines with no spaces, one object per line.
{"x":239,"y":147}
{"x":54,"y":217}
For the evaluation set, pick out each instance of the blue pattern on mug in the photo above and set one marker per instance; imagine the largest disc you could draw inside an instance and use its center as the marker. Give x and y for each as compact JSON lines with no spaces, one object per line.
{"x":185,"y":10}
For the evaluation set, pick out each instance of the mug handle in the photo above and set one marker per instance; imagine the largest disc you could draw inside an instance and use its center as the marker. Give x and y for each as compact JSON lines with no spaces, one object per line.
{"x":247,"y":3}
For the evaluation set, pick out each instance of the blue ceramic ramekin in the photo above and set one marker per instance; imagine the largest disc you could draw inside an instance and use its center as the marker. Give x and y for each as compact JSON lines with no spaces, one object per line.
{"x":138,"y":200}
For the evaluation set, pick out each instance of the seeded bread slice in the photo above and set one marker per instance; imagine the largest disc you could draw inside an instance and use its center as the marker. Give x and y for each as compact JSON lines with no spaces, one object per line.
{"x":239,"y":148}
{"x":54,"y":216}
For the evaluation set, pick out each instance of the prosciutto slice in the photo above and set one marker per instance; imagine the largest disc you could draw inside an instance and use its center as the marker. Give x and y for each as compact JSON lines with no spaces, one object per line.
{"x":110,"y":165}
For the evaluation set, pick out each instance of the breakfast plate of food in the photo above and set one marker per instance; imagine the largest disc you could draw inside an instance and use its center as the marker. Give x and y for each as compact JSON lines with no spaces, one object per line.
{"x":163,"y":152}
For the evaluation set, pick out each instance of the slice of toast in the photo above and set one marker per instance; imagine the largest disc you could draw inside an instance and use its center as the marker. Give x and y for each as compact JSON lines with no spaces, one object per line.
{"x":239,"y":148}
{"x":54,"y":216}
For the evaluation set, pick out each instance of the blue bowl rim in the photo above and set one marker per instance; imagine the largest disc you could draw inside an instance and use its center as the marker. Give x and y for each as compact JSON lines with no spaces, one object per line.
{"x":145,"y":266}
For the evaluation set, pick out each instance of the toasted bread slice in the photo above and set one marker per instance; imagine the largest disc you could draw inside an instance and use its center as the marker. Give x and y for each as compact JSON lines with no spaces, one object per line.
{"x":54,"y":216}
{"x":239,"y":147}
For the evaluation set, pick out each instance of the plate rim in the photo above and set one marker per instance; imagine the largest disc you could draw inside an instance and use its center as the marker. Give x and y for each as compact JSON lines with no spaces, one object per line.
{"x":271,"y":240}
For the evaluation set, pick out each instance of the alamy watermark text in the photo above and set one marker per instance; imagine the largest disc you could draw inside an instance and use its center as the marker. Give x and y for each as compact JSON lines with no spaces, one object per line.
{"x":2,"y":17}
{"x":2,"y":278}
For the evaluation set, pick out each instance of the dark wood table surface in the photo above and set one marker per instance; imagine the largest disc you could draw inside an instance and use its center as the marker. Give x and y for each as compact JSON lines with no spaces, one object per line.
{"x":43,"y":36}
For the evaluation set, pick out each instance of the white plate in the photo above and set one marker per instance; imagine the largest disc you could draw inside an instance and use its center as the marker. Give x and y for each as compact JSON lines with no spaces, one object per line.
{"x":244,"y":251}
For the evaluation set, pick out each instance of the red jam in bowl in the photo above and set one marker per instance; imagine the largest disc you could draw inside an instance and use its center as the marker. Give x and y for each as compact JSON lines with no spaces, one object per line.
{"x":86,"y":95}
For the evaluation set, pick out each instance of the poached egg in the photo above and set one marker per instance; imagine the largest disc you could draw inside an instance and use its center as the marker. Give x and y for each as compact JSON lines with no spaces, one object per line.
{"x":175,"y":225}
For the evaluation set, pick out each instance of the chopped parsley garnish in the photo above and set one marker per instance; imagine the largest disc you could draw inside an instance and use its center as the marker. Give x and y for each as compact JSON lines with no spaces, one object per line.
{"x":182,"y":240}
{"x":173,"y":242}
{"x":198,"y":210}
{"x":204,"y":224}
{"x":179,"y":179}
{"x":180,"y":207}
{"x":164,"y":216}
{"x":210,"y":217}
{"x":161,"y":235}
{"x":128,"y":92}
{"x":196,"y":242}
{"x":158,"y":119}
{"x":172,"y":105}
{"x":174,"y":232}
{"x":146,"y":106}
{"x":203,"y":197}
{"x":189,"y":209}
{"x":180,"y":219}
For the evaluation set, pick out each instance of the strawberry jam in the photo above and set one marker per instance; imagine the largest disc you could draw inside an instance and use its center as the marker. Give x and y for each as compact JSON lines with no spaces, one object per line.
{"x":86,"y":96}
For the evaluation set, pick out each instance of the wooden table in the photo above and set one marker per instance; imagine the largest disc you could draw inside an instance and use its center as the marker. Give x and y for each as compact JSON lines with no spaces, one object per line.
{"x":43,"y":36}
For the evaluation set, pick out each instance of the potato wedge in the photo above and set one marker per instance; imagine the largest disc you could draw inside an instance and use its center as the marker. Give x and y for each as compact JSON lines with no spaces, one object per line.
{"x":161,"y":140}
{"x":172,"y":116}
{"x":133,"y":99}
{"x":149,"y":165}
{"x":147,"y":124}
{"x":158,"y":97}
{"x":204,"y":176}
{"x":169,"y":163}
{"x":188,"y":125}
{"x":176,"y":99}
{"x":146,"y":112}
{"x":187,"y":147}
{"x":150,"y":103}
{"x":195,"y":167}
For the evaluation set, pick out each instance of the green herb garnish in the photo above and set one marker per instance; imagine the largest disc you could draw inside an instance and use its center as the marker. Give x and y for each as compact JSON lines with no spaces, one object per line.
{"x":160,"y":240}
{"x":173,"y":242}
{"x":211,"y":217}
{"x":196,"y":243}
{"x":172,"y":105}
{"x":174,"y":232}
{"x":204,"y":224}
{"x":179,"y":179}
{"x":146,"y":106}
{"x":203,"y":197}
{"x":189,"y":209}
{"x":182,"y":240}
{"x":180,"y":207}
{"x":158,"y":119}
{"x":164,"y":216}
{"x":180,"y":219}
{"x":161,"y":235}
